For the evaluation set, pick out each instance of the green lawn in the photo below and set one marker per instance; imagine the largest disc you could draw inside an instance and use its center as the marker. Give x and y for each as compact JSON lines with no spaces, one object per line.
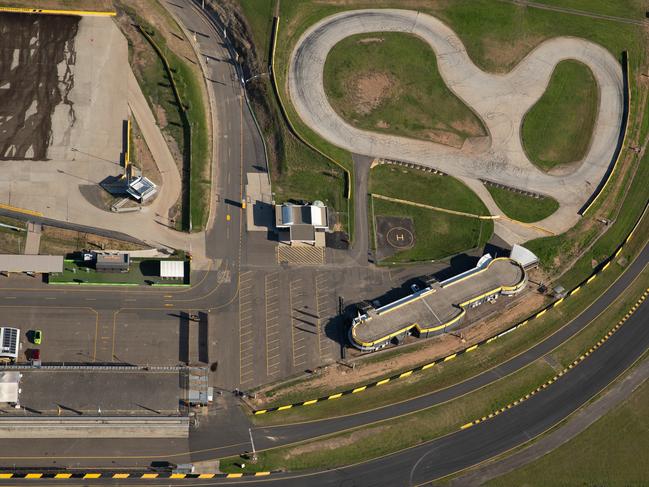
{"x":141,"y":272}
{"x":438,"y":234}
{"x":394,"y":434}
{"x":522,"y":207}
{"x":558,"y":128}
{"x":12,"y":241}
{"x":189,"y":127}
{"x":548,"y":249}
{"x":611,"y":452}
{"x":632,"y":9}
{"x":461,"y":368}
{"x":424,"y":187}
{"x":411,"y":98}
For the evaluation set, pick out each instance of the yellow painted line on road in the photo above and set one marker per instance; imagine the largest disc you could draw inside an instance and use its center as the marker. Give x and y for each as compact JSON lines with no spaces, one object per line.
{"x":234,"y":476}
{"x":261,"y":474}
{"x":261,"y":411}
{"x":121,"y":475}
{"x":33,"y":475}
{"x":575,"y":290}
{"x":282,"y":408}
{"x":471,"y":349}
{"x":591,"y":278}
{"x":16,"y":208}
{"x":359,"y":389}
{"x":381,"y":382}
{"x":44,"y":11}
{"x":92,"y":476}
{"x":465,"y":426}
{"x":207,"y":476}
{"x":335,"y":396}
{"x":177,"y":476}
{"x":450,"y":357}
{"x":227,"y":217}
{"x":65,"y":475}
{"x":405,"y":374}
{"x":541,"y":313}
{"x":557,"y":303}
{"x":428,"y":366}
{"x":168,"y":305}
{"x":308,"y":403}
{"x":6,"y":475}
{"x":149,"y":476}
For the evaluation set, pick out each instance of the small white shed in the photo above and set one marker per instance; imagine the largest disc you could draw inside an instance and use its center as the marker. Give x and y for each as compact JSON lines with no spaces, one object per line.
{"x":172,"y":269}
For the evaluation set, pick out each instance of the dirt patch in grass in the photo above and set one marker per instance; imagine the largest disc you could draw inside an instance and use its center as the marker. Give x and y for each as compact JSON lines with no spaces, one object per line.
{"x":332,"y":443}
{"x":338,"y":377}
{"x":495,"y":54}
{"x":59,"y":241}
{"x":371,"y":89}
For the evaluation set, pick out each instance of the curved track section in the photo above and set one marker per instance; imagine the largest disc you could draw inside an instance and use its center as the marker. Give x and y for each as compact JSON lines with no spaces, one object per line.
{"x":501,"y":100}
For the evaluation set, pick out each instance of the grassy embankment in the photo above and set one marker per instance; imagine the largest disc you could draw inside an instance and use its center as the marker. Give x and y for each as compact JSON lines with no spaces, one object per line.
{"x":558,"y":128}
{"x":185,"y":124}
{"x":537,"y":25}
{"x":520,"y":29}
{"x":12,"y":241}
{"x":297,"y":171}
{"x":438,"y":234}
{"x":606,"y":453}
{"x":391,"y":435}
{"x":469,"y":364}
{"x":389,"y":82}
{"x":522,"y":207}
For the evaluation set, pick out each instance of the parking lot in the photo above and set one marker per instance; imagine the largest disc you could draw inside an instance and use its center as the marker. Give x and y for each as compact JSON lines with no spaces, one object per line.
{"x":68,"y":334}
{"x":289,"y":320}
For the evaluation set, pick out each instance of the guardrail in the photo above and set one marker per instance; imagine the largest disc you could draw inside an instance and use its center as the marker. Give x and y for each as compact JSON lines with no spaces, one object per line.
{"x":621,"y":142}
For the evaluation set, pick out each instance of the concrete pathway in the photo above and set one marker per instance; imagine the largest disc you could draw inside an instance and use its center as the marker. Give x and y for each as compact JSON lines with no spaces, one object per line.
{"x":33,"y":241}
{"x":501,"y":101}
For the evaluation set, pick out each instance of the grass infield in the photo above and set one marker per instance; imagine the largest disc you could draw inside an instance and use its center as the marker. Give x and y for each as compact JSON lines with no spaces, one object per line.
{"x":522,"y":207}
{"x":558,"y":128}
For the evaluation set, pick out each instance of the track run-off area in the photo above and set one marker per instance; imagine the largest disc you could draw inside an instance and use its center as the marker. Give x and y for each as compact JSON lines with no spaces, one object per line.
{"x":500,"y":100}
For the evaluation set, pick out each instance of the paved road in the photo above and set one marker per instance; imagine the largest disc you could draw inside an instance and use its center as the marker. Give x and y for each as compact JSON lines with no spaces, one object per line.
{"x":501,"y":100}
{"x":424,"y":463}
{"x":271,"y":436}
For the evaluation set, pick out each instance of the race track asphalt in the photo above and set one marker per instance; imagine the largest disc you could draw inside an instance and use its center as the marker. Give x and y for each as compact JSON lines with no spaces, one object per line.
{"x":272,"y":436}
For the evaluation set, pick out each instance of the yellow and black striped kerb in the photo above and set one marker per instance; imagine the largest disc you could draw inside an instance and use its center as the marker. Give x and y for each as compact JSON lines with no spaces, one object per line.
{"x":601,"y":268}
{"x":126,"y":475}
{"x":576,"y":362}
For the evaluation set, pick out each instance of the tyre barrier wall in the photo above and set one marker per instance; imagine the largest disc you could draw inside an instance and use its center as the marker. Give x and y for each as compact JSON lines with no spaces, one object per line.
{"x":601,"y":268}
{"x":574,"y":363}
{"x":621,"y":141}
{"x":127,"y":475}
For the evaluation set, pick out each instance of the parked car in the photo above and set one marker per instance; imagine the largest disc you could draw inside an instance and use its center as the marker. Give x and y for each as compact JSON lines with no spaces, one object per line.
{"x":38,"y":337}
{"x":35,"y":354}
